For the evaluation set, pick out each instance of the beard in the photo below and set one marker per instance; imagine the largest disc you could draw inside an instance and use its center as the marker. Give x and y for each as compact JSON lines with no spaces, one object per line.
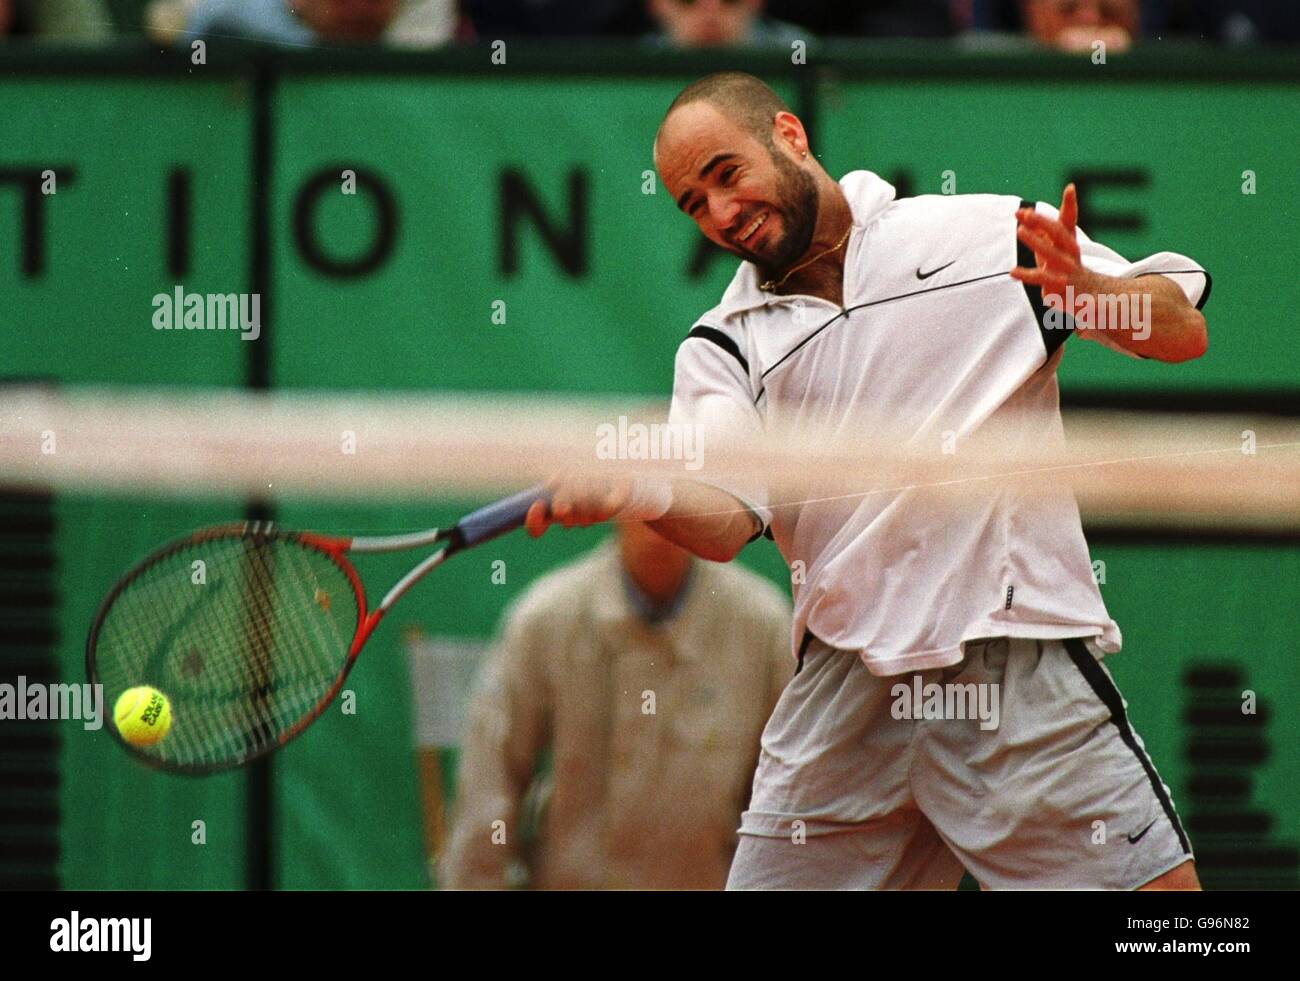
{"x":796,"y":203}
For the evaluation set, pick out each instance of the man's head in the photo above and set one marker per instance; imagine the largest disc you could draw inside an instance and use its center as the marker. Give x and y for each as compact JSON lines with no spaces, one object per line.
{"x":706,"y":23}
{"x":348,"y":21}
{"x":730,"y":153}
{"x":1074,"y":25}
{"x":655,"y":564}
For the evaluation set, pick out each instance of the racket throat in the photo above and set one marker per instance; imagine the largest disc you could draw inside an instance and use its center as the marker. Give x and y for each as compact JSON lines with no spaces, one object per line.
{"x":371,"y":620}
{"x":364,"y":631}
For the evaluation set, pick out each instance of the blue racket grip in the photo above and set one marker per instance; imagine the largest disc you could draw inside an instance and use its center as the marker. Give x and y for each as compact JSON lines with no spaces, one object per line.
{"x":496,"y":519}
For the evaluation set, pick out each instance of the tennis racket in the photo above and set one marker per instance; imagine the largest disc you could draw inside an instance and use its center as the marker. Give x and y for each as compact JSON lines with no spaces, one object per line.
{"x":252,"y":646}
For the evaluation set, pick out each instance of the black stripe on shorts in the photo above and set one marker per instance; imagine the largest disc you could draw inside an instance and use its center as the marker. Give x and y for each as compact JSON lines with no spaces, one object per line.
{"x":1105,"y":689}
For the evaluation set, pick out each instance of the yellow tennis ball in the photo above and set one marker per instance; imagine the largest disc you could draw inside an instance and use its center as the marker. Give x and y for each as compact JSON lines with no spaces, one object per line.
{"x":143,"y":715}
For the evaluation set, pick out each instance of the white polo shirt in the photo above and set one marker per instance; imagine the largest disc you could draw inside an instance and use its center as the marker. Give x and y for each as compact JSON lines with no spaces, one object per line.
{"x":934,"y":330}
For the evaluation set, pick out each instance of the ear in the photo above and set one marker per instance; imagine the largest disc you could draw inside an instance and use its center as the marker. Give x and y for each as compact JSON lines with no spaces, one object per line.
{"x":788,"y":132}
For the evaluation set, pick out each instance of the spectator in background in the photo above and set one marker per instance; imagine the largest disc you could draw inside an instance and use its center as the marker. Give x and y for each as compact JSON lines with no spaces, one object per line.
{"x":55,"y":20}
{"x":1237,"y":22}
{"x":1067,"y":25}
{"x":630,"y":18}
{"x":719,"y":24}
{"x":648,"y":675}
{"x":1075,"y":25}
{"x":413,"y":23}
{"x":1226,"y":21}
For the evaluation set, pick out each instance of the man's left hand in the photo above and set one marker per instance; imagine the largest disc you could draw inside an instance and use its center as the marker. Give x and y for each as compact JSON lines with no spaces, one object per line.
{"x":1057,"y":259}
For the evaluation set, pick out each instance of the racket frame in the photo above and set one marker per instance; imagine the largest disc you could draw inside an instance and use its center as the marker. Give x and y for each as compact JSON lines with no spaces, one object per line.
{"x":479,"y":526}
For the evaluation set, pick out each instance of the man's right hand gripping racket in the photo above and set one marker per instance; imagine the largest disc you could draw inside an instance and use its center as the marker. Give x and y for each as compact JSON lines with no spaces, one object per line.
{"x":253,"y":656}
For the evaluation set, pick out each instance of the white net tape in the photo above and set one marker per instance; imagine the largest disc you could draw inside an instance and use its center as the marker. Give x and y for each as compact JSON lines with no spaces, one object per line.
{"x":1147,"y":468}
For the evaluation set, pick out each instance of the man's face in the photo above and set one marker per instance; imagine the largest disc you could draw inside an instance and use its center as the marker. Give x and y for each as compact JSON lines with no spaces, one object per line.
{"x":750,"y":199}
{"x":647,"y":555}
{"x":347,"y":20}
{"x":1074,"y":24}
{"x":705,"y":23}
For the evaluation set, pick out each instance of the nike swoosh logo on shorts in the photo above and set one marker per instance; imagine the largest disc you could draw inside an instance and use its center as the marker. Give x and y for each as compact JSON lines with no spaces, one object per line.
{"x":921,"y":275}
{"x":1134,"y":839}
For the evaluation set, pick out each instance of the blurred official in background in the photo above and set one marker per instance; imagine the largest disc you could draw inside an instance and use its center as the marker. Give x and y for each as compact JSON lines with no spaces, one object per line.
{"x":719,"y":24}
{"x":646,"y":676}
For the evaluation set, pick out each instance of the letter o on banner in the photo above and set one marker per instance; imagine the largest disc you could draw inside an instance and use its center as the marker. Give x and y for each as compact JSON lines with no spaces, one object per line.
{"x":304,"y":227}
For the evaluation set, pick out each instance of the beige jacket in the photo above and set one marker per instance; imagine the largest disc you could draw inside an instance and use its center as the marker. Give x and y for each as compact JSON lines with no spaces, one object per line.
{"x":653,"y":732}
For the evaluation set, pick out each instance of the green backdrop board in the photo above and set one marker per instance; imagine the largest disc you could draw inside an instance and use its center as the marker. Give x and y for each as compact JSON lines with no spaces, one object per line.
{"x":532,"y":246}
{"x":1209,"y":670}
{"x":78,"y":308}
{"x":503,"y":236}
{"x":151,"y":191}
{"x":1203,"y":169}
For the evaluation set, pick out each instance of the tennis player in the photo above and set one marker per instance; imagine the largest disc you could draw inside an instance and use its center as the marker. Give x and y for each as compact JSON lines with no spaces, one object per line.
{"x":950,"y":313}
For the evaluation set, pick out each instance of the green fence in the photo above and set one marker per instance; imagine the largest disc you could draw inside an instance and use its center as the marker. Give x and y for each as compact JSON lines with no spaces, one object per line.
{"x":523,"y":190}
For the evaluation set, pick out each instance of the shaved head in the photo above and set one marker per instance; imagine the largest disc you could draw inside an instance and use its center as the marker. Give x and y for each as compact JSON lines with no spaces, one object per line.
{"x":744,"y":99}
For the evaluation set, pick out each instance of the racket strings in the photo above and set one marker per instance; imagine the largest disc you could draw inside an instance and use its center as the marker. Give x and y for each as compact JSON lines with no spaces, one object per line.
{"x":138,"y":626}
{"x":244,"y":651}
{"x":261,"y":697}
{"x":291,"y":639}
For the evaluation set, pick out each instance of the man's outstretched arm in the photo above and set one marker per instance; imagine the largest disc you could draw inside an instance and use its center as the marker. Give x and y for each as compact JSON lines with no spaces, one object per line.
{"x":1169,"y":329}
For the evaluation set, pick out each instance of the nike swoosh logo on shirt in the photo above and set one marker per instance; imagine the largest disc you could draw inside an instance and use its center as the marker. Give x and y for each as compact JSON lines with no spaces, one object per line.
{"x":921,"y":275}
{"x":1134,"y":839}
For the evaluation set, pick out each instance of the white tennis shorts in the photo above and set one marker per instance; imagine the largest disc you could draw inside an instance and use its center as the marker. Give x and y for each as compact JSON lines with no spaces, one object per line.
{"x":1018,"y":764}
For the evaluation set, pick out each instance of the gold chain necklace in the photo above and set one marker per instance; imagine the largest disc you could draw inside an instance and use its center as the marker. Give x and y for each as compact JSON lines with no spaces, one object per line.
{"x":770,"y":287}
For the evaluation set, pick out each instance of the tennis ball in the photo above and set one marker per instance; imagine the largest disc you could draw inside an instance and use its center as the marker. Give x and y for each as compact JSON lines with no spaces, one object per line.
{"x":143,"y":715}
